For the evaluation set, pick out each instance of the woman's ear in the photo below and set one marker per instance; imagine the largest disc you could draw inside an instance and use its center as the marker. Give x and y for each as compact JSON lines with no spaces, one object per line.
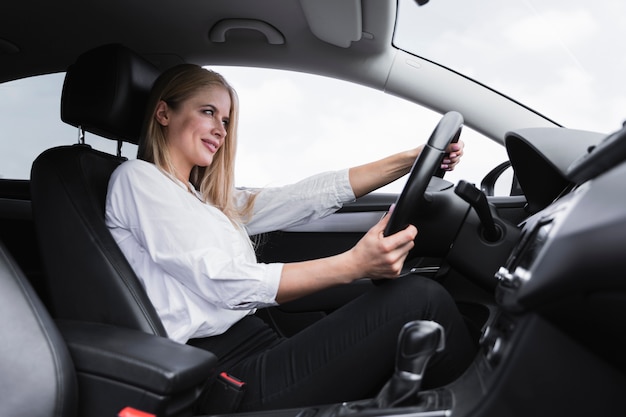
{"x":161,"y":114}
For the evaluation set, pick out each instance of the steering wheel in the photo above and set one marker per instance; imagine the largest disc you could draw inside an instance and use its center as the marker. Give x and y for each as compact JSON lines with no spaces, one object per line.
{"x":425,"y":166}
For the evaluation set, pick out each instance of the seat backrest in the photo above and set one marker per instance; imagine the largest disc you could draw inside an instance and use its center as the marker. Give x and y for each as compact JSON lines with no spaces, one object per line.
{"x":89,"y":279}
{"x":37,"y":377}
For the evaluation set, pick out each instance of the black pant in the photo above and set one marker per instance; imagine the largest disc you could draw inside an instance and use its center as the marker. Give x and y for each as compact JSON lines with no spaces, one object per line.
{"x":345,"y":356}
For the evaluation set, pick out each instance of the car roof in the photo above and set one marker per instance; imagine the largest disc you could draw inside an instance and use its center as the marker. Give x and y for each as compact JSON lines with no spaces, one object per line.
{"x":215,"y":32}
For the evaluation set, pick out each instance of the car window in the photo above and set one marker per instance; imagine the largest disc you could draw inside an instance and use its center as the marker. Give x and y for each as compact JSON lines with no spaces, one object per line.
{"x":30,"y":122}
{"x":292,"y":125}
{"x":560,"y":57}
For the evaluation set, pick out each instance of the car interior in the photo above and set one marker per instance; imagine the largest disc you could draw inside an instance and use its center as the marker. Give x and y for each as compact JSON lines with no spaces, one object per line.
{"x":536,"y":275}
{"x":119,"y":355}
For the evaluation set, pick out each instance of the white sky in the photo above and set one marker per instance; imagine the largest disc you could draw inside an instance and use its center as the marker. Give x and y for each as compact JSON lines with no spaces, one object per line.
{"x":564,"y":58}
{"x":303,"y":124}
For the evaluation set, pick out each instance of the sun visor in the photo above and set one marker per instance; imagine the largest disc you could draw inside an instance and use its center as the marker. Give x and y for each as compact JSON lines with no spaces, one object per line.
{"x":338,"y":22}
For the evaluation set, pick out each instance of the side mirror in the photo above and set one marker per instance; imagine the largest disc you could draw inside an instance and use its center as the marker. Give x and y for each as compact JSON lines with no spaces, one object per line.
{"x":494,"y":180}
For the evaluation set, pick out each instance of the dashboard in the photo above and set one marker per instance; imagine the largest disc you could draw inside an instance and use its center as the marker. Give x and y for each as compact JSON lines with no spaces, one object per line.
{"x":569,"y":265}
{"x":555,"y":341}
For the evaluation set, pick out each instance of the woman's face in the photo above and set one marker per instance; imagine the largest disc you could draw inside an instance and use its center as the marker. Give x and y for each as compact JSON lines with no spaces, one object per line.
{"x":196,"y":129}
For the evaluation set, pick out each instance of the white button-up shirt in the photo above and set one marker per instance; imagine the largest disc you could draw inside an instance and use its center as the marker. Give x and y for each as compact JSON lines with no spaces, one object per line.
{"x":199,"y":270}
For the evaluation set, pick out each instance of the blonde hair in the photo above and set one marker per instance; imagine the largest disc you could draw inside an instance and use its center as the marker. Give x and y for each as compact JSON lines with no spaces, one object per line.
{"x":215,"y":182}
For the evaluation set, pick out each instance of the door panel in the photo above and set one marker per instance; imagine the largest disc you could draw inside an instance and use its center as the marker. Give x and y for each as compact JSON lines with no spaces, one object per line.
{"x":340,"y":232}
{"x":17,"y":231}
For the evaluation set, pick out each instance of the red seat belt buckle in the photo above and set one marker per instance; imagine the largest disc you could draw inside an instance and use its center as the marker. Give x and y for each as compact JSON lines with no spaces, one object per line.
{"x":133,"y":412}
{"x":231,"y":380}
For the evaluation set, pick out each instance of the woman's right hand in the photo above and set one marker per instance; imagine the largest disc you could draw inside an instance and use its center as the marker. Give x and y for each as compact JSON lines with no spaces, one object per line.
{"x":374,"y":256}
{"x":380,"y":256}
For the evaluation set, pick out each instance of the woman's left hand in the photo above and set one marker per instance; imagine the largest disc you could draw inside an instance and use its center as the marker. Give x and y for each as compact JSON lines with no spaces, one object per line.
{"x":454,"y":152}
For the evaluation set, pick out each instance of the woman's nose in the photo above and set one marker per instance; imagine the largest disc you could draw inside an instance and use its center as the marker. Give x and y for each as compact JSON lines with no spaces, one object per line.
{"x":220,"y":130}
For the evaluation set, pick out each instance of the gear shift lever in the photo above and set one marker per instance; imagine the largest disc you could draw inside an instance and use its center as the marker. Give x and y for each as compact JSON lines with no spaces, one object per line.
{"x":418,"y":341}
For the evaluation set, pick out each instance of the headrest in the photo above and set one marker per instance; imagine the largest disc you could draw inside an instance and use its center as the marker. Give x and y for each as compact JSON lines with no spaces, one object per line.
{"x":106,"y":92}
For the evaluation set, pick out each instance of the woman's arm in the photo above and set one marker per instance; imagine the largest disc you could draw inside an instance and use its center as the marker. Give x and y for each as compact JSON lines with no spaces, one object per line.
{"x":374,"y":256}
{"x":370,"y":177}
{"x":312,"y":198}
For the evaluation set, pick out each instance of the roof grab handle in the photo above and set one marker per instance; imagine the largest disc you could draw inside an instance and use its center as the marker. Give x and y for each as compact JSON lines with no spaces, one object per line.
{"x":219,"y":30}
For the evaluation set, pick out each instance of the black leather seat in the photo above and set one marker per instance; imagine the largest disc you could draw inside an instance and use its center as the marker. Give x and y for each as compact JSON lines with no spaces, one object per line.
{"x":71,"y":368}
{"x":37,"y":377}
{"x":95,"y":296}
{"x":105,"y":92}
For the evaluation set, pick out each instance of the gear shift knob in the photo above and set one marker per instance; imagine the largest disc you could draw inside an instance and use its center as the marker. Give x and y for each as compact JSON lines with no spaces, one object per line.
{"x":418,"y":341}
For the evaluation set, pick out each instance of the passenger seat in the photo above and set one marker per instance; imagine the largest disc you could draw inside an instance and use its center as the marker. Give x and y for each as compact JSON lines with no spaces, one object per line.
{"x":37,"y":377}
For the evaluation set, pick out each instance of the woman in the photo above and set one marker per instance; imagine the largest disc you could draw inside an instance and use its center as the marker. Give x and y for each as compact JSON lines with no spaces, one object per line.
{"x":184,"y":229}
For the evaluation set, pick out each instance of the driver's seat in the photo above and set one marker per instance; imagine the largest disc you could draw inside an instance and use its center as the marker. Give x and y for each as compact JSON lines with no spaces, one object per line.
{"x":105,"y":92}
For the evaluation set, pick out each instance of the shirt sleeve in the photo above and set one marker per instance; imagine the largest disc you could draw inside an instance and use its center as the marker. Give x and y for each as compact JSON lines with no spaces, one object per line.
{"x":299,"y":203}
{"x":190,"y":241}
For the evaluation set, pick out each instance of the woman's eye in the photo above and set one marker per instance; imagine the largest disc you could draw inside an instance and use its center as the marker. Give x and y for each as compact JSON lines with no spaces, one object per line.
{"x":225,"y":122}
{"x":208,"y":112}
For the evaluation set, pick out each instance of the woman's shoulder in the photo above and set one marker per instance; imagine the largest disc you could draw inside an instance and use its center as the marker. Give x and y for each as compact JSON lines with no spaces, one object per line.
{"x":135,"y":171}
{"x":134,"y":167}
{"x":137,"y":165}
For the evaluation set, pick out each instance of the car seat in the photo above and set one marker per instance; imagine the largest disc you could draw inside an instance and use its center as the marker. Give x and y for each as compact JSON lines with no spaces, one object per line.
{"x":37,"y":378}
{"x":117,"y":341}
{"x":105,"y":92}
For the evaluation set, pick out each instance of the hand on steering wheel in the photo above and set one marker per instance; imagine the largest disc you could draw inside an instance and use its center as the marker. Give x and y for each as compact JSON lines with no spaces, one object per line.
{"x":425,"y":166}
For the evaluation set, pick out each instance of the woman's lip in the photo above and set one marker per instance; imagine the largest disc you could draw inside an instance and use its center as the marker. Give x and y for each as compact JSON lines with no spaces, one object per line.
{"x":211,"y":144}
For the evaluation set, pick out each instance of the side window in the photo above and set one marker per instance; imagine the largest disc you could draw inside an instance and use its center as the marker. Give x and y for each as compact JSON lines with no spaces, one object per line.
{"x":293,"y":125}
{"x":30,"y":122}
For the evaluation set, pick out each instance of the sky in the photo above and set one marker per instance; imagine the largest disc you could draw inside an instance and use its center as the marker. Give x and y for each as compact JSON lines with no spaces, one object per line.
{"x":563,"y":58}
{"x":294,"y":125}
{"x":317,"y":124}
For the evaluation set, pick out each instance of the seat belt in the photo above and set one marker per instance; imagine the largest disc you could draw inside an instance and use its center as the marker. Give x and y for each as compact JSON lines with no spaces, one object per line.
{"x":222,"y":396}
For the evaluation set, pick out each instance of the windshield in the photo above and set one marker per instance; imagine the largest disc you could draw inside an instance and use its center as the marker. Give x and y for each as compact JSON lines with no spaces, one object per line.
{"x":562,"y":58}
